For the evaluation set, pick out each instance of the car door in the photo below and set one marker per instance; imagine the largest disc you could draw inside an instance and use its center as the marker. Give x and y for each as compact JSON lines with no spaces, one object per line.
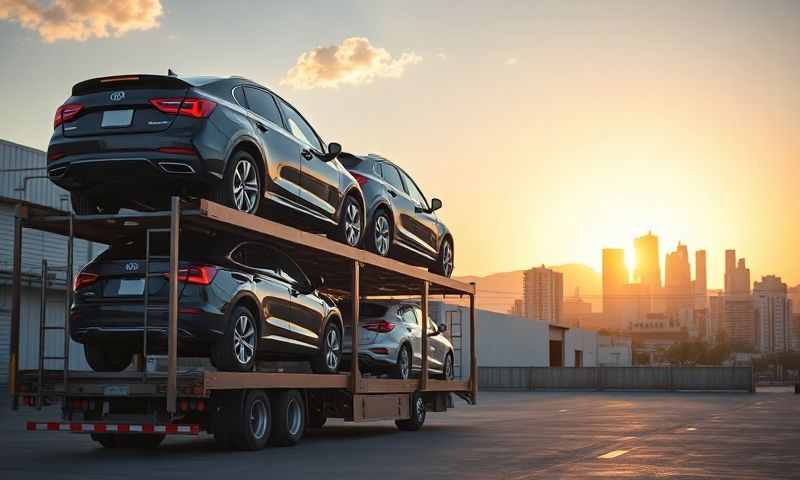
{"x":308,"y":309}
{"x":411,"y":323}
{"x":435,"y":354}
{"x":272,"y":292}
{"x":283,"y":182}
{"x":424,"y":224}
{"x":402,"y":204}
{"x":319,"y":180}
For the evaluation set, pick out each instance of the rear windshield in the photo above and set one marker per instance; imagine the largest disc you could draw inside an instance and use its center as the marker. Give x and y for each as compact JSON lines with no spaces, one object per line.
{"x":366,"y":309}
{"x":192,"y":246}
{"x":349,"y":161}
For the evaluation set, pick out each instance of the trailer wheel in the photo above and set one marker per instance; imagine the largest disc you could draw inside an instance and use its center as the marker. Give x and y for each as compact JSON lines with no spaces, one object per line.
{"x":255,"y":422}
{"x":417,"y":415}
{"x":290,"y":417}
{"x":128,"y":440}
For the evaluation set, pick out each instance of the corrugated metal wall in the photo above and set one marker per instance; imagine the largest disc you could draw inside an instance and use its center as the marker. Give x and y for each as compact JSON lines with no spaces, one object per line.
{"x":36,"y":245}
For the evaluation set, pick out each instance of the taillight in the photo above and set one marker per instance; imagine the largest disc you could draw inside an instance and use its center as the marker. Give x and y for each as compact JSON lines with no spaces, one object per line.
{"x":196,"y":274}
{"x":177,"y":150}
{"x":84,"y":279}
{"x":380,"y":327}
{"x":65,"y":113}
{"x":361,"y":179}
{"x":187,"y":107}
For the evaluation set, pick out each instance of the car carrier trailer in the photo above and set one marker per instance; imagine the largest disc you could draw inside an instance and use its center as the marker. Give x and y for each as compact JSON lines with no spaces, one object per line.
{"x":138,"y":407}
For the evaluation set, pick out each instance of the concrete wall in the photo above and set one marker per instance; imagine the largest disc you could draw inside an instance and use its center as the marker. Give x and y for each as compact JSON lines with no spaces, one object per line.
{"x":584,"y":341}
{"x":616,"y":378}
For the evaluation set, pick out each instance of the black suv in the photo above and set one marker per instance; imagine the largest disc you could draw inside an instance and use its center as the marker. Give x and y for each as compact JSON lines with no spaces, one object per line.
{"x":400,"y":221}
{"x":133,"y":140}
{"x":237,"y":301}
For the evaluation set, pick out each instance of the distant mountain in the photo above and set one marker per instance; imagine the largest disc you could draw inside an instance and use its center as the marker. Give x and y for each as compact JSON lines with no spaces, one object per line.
{"x":496,"y":292}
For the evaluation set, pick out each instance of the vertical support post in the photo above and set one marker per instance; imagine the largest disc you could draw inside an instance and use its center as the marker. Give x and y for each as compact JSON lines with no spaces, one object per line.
{"x":172,"y":346}
{"x":473,"y":351}
{"x":69,"y":294}
{"x":145,"y":329}
{"x":42,"y":325}
{"x":355,"y":292}
{"x":16,"y":295}
{"x":423,"y":377}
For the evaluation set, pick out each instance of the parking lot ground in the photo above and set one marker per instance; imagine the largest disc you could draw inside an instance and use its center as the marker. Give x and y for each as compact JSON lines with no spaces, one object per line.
{"x":508,"y":435}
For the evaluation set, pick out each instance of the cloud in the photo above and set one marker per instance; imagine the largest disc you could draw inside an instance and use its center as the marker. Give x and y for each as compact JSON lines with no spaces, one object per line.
{"x":511,"y":61}
{"x":353,"y":62}
{"x":82,"y":19}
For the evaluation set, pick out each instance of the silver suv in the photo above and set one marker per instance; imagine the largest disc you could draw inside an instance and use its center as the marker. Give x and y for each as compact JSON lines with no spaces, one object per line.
{"x":391,"y":340}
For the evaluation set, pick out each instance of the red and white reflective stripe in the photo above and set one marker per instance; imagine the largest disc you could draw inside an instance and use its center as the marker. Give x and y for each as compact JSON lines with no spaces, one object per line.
{"x":73,"y":427}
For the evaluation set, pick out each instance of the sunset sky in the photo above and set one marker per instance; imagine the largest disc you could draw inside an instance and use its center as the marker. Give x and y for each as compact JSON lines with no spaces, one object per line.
{"x":548,"y":129}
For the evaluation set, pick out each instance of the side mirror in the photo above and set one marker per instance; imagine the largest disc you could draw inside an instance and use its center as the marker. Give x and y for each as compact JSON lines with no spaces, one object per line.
{"x":334,"y":149}
{"x":442,"y":327}
{"x":436,"y":204}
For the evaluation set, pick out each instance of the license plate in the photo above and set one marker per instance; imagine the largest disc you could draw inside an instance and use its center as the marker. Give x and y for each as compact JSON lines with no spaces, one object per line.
{"x":115,"y":390}
{"x":131,"y":287}
{"x":117,"y":118}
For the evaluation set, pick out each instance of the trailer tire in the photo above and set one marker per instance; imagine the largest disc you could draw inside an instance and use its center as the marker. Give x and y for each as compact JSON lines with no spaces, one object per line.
{"x":130,"y":440}
{"x":252,"y":429}
{"x":417,"y":414}
{"x":289,"y":417}
{"x":107,"y":359}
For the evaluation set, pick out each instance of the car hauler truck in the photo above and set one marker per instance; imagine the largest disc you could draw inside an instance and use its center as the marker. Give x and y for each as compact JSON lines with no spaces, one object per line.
{"x":243,"y":410}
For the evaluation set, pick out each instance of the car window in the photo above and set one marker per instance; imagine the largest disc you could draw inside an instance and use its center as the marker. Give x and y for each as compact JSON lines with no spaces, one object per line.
{"x":290,"y":271}
{"x":261,"y":102}
{"x":407,"y":315}
{"x":431,"y":324}
{"x":414,"y":191}
{"x":256,"y":256}
{"x":299,"y":127}
{"x":392,"y":176}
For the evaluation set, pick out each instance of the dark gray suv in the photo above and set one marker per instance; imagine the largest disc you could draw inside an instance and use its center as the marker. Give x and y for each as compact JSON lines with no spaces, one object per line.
{"x":401,"y":222}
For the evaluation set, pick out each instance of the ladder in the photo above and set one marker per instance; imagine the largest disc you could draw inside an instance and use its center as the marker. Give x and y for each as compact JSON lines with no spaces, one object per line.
{"x":44,"y":327}
{"x":455,"y":323}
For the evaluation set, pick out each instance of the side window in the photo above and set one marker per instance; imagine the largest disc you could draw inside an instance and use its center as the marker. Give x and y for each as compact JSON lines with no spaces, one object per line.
{"x":431,"y":324}
{"x":299,"y":127}
{"x":392,"y":176}
{"x":257,"y":256}
{"x":238,"y":95}
{"x":289,"y":270}
{"x":407,"y":314}
{"x":414,"y":191}
{"x":263,"y":104}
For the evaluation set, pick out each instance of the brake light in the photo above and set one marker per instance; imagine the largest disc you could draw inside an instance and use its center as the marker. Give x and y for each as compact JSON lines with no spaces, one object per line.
{"x":381,"y":327}
{"x":187,"y":107}
{"x":84,"y":279}
{"x":196,"y":274}
{"x":361,"y":179}
{"x":177,"y":150}
{"x":65,"y":113}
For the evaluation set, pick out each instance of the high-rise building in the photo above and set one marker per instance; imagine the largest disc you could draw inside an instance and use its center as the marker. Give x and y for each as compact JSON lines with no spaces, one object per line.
{"x":714,"y":317}
{"x":615,"y":277}
{"x":700,"y":281}
{"x":739,"y":320}
{"x":648,"y":269}
{"x":737,"y":275}
{"x":543,"y":294}
{"x":774,"y":315}
{"x":517,"y":309}
{"x":677,"y":292}
{"x":576,"y":309}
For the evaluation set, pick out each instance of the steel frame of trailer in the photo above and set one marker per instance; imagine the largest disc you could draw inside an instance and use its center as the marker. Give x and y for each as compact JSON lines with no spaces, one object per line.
{"x":385,"y":277}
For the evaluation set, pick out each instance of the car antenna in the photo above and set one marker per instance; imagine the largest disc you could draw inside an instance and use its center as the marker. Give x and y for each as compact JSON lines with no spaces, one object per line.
{"x":171,"y":73}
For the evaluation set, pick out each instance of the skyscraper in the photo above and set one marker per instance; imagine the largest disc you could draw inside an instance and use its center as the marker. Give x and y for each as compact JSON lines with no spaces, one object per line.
{"x":737,"y":275}
{"x":677,"y":291}
{"x":774,"y":315}
{"x":615,"y":277}
{"x":700,"y":281}
{"x":543,"y":294}
{"x":648,"y":269}
{"x":739,"y":310}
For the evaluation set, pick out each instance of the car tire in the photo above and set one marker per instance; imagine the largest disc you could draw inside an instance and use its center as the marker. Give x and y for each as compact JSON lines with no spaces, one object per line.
{"x":447,"y":367}
{"x":381,"y":233}
{"x":111,"y":358}
{"x":418,"y":414}
{"x":236,"y":350}
{"x":444,"y":261}
{"x":350,"y":230}
{"x":85,"y":205}
{"x":255,"y":422}
{"x":405,"y":360}
{"x":129,"y":440}
{"x":329,"y":357}
{"x":289,"y":417}
{"x":243,"y":176}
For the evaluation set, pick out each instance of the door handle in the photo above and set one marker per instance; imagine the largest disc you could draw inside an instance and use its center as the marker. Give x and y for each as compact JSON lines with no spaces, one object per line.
{"x":261,"y":126}
{"x":306,"y":153}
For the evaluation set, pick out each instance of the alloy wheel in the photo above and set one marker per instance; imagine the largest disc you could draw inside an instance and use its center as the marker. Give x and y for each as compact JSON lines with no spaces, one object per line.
{"x":405,"y":369}
{"x":332,"y":349}
{"x":447,"y":259}
{"x":258,"y":419}
{"x":382,"y":235}
{"x":352,"y":223}
{"x":244,"y":335}
{"x":419,"y":408}
{"x":448,"y":368}
{"x":245,"y":186}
